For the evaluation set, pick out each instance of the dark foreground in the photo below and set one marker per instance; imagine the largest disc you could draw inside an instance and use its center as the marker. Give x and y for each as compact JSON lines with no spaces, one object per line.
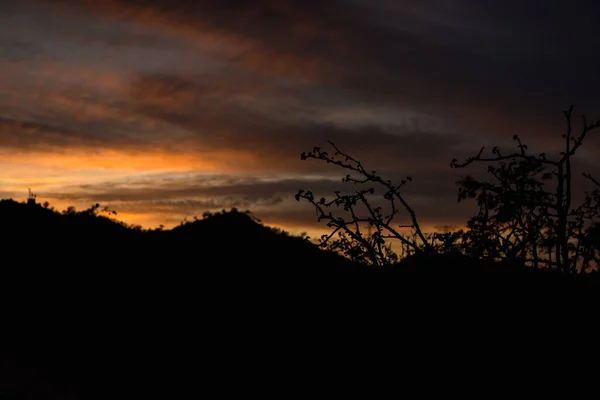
{"x":95,"y":310}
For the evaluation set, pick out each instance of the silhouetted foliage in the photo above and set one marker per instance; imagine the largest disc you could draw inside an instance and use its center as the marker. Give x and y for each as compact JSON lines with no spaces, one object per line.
{"x":520,"y":222}
{"x":520,"y":219}
{"x":359,"y":215}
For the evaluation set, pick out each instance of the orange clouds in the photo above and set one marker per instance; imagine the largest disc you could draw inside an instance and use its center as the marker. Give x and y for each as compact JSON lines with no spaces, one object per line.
{"x":73,"y":160}
{"x":99,"y":95}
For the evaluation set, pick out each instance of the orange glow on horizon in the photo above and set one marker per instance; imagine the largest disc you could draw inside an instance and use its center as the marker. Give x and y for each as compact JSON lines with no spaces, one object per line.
{"x":135,"y":161}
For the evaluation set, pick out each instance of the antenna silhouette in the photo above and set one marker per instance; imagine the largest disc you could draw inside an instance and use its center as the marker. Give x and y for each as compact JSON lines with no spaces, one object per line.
{"x":31,"y":197}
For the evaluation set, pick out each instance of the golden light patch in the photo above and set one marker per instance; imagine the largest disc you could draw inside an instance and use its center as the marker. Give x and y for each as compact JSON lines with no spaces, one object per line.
{"x":29,"y":164}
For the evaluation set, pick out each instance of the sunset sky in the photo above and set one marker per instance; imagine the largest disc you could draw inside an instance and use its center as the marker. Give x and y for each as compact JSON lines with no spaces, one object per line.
{"x":164,"y":109}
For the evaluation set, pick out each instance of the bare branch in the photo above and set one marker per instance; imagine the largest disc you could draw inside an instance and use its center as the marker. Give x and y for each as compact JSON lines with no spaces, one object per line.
{"x":375,"y":218}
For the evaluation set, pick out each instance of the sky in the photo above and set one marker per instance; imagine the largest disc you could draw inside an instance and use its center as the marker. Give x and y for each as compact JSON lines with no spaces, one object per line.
{"x":162,"y":110}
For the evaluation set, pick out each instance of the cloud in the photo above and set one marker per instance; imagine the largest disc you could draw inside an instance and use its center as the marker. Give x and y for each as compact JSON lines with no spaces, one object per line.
{"x":167,"y":188}
{"x":215,"y":121}
{"x":111,"y":91}
{"x":31,"y":135}
{"x":428,"y":46}
{"x":174,"y":196}
{"x":423,"y":60}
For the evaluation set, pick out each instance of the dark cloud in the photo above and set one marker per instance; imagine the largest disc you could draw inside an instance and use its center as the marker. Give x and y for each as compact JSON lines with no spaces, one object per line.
{"x":25,"y":135}
{"x":227,"y":187}
{"x":523,"y":52}
{"x":405,"y":86}
{"x":218,"y":121}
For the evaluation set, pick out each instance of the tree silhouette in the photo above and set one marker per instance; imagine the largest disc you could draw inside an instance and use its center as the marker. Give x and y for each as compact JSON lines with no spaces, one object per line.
{"x":526,"y":215}
{"x":519,"y":219}
{"x":359,"y":214}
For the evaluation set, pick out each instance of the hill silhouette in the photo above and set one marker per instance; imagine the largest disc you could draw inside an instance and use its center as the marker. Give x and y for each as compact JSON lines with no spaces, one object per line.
{"x":95,"y":308}
{"x":229,"y":239}
{"x":43,"y":239}
{"x":231,"y":245}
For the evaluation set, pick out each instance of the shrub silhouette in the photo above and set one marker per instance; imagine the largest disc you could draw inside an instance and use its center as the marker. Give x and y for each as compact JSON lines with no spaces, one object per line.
{"x":520,"y":219}
{"x":519,"y":222}
{"x":358,"y":214}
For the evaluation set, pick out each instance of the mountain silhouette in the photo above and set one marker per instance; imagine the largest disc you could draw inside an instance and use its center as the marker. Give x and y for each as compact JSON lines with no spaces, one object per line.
{"x":95,"y":308}
{"x":230,"y":240}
